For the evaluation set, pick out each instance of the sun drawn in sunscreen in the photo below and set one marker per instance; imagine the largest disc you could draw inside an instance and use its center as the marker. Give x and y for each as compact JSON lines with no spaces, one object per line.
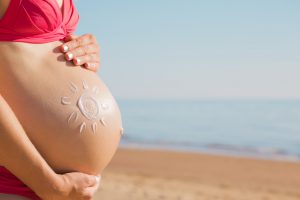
{"x":88,"y":105}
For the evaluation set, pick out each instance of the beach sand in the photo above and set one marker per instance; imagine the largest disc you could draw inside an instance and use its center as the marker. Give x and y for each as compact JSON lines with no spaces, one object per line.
{"x":166,"y":175}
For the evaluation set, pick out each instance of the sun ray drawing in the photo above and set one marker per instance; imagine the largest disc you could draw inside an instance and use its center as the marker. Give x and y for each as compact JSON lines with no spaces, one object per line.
{"x":88,"y":105}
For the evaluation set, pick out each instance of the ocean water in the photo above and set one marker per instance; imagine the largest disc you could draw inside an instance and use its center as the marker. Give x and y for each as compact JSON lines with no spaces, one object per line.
{"x":262,"y":129}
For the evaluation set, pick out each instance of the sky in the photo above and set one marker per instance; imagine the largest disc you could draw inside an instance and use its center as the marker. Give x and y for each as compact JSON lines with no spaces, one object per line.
{"x":196,"y":49}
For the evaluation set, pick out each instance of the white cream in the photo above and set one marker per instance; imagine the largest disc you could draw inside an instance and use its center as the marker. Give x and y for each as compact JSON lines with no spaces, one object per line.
{"x":95,"y":90}
{"x":94,"y":127}
{"x":66,"y":100}
{"x":84,"y":84}
{"x":102,"y":121}
{"x":73,"y":87}
{"x":89,"y":106}
{"x":82,"y":127}
{"x":74,"y":116}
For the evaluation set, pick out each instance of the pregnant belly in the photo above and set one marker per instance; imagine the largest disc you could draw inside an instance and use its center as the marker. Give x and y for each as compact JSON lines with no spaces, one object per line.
{"x":68,"y":113}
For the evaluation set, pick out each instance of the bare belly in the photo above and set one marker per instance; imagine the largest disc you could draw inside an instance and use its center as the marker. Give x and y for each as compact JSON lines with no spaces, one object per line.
{"x":68,"y":112}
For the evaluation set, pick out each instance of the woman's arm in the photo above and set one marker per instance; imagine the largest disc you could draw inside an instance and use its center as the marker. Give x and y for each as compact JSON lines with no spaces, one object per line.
{"x":19,"y":155}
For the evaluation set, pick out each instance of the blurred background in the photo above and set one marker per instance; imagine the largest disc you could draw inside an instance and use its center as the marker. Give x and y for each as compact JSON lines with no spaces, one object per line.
{"x":214,"y":79}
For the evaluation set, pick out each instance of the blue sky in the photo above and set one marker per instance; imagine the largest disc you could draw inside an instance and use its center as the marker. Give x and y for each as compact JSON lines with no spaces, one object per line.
{"x":196,"y":49}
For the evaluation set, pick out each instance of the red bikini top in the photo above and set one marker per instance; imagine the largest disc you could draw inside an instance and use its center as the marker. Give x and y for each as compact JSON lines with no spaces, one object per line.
{"x":38,"y":21}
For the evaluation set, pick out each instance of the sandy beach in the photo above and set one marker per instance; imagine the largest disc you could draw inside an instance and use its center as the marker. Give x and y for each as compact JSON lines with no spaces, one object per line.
{"x":156,"y":175}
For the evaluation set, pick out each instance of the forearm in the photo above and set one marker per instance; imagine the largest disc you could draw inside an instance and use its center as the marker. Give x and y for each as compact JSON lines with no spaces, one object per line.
{"x":19,"y":155}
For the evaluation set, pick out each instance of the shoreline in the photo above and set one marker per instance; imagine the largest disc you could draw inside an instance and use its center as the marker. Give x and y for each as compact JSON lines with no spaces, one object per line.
{"x":218,"y":149}
{"x":155,"y":174}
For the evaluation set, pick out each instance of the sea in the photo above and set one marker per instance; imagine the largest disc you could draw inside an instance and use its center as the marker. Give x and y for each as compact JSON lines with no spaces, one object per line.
{"x":266,"y":129}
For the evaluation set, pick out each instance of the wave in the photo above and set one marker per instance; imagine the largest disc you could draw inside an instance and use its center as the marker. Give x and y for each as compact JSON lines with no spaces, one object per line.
{"x":212,"y":148}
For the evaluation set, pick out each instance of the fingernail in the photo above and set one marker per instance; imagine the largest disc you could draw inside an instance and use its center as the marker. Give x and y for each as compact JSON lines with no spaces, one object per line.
{"x":88,"y":65}
{"x":77,"y":60}
{"x":65,"y":48}
{"x":70,"y":56}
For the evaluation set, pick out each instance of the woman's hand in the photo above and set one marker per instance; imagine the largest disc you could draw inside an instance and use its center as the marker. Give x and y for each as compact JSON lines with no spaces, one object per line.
{"x":74,"y":186}
{"x":82,"y":50}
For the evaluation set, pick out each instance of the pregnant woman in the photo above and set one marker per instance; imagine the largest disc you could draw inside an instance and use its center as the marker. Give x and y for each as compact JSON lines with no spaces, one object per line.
{"x":59,"y":124}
